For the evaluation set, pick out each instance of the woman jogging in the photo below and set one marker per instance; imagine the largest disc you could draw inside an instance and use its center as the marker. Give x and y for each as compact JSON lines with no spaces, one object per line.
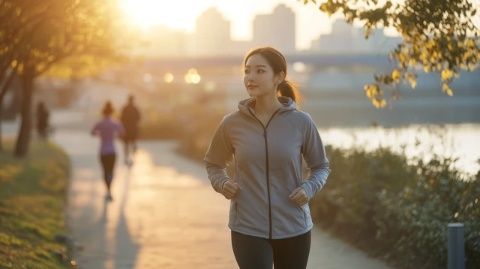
{"x":108,"y":129}
{"x":270,"y":218}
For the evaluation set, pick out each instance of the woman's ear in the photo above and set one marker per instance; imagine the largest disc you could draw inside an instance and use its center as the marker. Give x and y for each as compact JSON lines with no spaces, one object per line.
{"x":280,"y":77}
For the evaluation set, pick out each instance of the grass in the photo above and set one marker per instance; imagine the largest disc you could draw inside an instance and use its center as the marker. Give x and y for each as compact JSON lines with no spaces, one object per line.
{"x":32,"y":201}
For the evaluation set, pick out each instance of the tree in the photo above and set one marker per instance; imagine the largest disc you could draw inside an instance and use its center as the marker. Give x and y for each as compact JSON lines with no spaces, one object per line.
{"x":40,"y":35}
{"x":438,"y":36}
{"x":8,"y":66}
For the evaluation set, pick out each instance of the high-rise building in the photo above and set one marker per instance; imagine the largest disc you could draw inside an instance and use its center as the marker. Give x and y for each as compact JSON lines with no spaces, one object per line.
{"x":212,"y":34}
{"x":347,"y":39}
{"x":276,"y":29}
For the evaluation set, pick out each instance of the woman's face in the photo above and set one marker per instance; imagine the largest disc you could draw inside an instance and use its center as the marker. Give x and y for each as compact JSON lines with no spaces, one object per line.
{"x":259,"y":77}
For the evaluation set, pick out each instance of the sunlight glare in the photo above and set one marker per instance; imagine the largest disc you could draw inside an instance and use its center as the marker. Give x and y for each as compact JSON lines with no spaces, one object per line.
{"x":148,"y":13}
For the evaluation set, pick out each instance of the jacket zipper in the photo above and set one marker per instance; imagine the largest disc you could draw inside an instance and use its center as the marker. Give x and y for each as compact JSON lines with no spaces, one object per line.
{"x":267,"y":168}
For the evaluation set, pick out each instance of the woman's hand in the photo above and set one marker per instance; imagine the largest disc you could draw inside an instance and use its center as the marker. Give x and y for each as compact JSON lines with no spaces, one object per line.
{"x":230,"y":189}
{"x":299,"y":196}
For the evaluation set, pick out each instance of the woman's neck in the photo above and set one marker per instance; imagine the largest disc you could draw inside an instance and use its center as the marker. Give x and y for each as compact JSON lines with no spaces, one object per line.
{"x":266,"y":104}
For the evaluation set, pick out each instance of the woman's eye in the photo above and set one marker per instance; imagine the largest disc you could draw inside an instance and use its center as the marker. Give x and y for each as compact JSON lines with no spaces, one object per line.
{"x":261,"y":71}
{"x":247,"y":71}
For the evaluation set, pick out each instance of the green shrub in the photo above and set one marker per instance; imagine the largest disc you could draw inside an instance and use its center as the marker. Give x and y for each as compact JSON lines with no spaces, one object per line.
{"x":399,"y":210}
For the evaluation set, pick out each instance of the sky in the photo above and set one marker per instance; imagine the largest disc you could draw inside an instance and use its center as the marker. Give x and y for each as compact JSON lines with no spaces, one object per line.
{"x":181,"y":14}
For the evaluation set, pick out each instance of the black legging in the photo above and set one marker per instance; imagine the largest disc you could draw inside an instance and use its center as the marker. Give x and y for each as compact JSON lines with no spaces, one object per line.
{"x":108,"y":162}
{"x":253,"y":252}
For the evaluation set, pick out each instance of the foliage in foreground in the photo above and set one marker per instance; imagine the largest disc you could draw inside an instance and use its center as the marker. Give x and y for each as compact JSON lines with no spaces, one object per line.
{"x":438,"y":36}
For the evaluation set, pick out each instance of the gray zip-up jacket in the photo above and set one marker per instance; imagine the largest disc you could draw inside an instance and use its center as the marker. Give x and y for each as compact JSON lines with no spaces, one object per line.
{"x":268,"y":167}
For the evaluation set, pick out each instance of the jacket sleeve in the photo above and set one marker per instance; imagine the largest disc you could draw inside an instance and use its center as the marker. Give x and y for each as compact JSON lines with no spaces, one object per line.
{"x":219,"y":153}
{"x":313,"y":152}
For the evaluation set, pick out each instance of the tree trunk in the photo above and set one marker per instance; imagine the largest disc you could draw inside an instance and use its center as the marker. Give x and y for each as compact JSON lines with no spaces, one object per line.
{"x":1,"y":118}
{"x":23,"y":138}
{"x":3,"y":92}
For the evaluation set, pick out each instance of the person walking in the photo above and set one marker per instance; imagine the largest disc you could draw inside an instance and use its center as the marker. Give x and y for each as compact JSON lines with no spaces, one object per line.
{"x":130,"y":118}
{"x":108,"y":129}
{"x":43,"y":118}
{"x":269,"y":217}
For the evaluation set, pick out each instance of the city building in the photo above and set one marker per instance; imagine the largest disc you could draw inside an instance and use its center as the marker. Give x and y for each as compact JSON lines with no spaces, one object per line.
{"x":212,"y":34}
{"x":347,"y":39}
{"x":276,"y":29}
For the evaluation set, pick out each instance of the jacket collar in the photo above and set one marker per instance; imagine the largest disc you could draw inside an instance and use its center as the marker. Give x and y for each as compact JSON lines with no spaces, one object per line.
{"x":246,"y":106}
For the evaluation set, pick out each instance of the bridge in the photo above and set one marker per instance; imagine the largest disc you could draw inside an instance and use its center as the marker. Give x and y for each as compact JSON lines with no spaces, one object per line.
{"x":380,"y":61}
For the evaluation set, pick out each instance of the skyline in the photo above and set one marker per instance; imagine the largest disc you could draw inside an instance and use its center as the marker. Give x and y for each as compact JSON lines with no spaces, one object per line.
{"x":344,"y":38}
{"x":240,"y":14}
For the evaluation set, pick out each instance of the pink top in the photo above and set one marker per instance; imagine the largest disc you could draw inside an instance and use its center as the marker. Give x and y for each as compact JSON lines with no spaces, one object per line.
{"x":108,"y":129}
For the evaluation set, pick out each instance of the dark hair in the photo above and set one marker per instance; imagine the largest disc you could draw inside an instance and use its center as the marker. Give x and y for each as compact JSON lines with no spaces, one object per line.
{"x":107,"y":109}
{"x":278,"y":63}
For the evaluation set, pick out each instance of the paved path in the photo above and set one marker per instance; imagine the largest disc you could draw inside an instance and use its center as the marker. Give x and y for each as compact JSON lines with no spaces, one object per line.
{"x":162,"y":216}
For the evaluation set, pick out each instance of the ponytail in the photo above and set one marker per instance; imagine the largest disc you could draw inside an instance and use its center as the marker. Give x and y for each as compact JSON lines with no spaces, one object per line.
{"x":288,"y":89}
